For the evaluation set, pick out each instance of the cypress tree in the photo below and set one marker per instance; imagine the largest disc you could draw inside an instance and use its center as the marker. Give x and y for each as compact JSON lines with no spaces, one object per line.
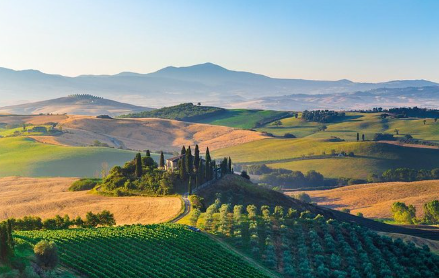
{"x":182,"y":168}
{"x":196,"y":157}
{"x":224,"y":166}
{"x":206,"y":171}
{"x":358,"y":136}
{"x":6,"y":250}
{"x":200,"y":172}
{"x":138,"y":165}
{"x":148,"y":153}
{"x":230,"y":165}
{"x":183,"y":150}
{"x":189,"y":161}
{"x":162,"y":160}
{"x":208,"y":175}
{"x":208,"y":158}
{"x":362,"y":137}
{"x":189,"y":186}
{"x":9,"y":232}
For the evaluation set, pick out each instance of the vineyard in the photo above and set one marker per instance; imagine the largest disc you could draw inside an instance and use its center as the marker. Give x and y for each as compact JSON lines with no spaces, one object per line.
{"x":161,"y":250}
{"x":303,"y":245}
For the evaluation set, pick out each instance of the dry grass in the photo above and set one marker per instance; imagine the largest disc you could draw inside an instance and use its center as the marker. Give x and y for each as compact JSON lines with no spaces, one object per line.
{"x":154,"y":134}
{"x":47,"y":197}
{"x":374,"y":200}
{"x":32,"y":119}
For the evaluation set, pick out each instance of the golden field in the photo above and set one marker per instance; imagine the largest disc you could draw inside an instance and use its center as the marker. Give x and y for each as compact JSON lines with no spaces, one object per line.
{"x":374,"y":200}
{"x":47,"y":197}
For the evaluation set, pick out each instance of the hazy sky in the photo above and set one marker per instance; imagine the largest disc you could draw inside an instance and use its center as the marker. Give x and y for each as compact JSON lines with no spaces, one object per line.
{"x":361,"y":40}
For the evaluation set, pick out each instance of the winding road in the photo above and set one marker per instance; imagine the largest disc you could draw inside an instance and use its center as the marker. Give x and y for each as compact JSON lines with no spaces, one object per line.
{"x":187,"y":209}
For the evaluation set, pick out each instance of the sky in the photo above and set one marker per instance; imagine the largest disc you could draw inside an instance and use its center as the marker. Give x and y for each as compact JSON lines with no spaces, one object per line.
{"x":360,"y":40}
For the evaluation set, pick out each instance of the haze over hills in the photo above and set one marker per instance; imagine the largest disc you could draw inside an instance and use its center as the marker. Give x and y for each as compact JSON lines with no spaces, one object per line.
{"x":207,"y":83}
{"x":74,"y":104}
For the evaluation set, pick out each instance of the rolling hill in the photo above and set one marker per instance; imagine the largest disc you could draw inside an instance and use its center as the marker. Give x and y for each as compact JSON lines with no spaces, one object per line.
{"x":207,"y":83}
{"x":21,"y":156}
{"x":75,"y":105}
{"x":374,"y":200}
{"x":306,"y":154}
{"x":238,"y":118}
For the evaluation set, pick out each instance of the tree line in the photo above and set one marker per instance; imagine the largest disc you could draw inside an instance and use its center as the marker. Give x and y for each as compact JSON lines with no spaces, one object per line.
{"x":405,"y":174}
{"x":193,"y":170}
{"x":31,"y":223}
{"x":322,"y":116}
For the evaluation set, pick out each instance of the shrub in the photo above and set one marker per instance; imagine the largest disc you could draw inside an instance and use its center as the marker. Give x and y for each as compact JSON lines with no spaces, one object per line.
{"x":84,"y":184}
{"x":46,"y":254}
{"x":289,"y":135}
{"x":303,"y":197}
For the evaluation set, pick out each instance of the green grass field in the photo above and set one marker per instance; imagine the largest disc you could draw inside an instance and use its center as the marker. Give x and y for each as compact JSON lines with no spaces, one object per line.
{"x":293,"y":154}
{"x":241,"y":118}
{"x":163,"y":250}
{"x":370,"y":157}
{"x":22,"y":156}
{"x":367,"y":124}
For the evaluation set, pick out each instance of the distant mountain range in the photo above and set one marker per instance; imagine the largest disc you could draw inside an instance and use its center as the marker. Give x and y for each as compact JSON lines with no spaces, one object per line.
{"x":76,"y":105}
{"x":207,"y":83}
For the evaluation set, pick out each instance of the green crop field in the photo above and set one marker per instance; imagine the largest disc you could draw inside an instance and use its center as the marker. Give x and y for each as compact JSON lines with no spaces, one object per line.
{"x":242,"y":118}
{"x":163,"y":250}
{"x":25,"y":157}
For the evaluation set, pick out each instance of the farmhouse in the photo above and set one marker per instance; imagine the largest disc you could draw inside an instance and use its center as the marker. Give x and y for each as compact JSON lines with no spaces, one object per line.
{"x":172,"y":163}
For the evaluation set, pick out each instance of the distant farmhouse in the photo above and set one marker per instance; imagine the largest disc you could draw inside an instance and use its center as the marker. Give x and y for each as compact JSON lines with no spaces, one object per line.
{"x":171,"y":164}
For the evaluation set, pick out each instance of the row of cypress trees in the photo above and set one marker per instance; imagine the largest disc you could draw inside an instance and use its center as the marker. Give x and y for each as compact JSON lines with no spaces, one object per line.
{"x":192,"y":169}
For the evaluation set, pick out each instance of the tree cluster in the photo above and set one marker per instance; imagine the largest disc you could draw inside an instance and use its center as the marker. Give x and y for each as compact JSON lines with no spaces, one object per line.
{"x":181,"y":112}
{"x":143,"y":175}
{"x":322,"y":116}
{"x":293,"y":179}
{"x":405,"y":174}
{"x":406,"y":214}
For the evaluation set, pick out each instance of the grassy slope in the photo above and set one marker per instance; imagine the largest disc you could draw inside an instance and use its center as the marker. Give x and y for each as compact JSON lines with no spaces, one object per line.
{"x":371,"y":157}
{"x":26,"y":157}
{"x":240,"y":118}
{"x":367,"y":124}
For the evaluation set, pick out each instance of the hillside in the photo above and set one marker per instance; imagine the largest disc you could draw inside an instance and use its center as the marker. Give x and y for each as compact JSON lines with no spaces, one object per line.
{"x":238,"y":118}
{"x":375,"y":200}
{"x":164,"y":250}
{"x":47,"y":197}
{"x":74,"y":105}
{"x":21,"y":156}
{"x":305,"y":154}
{"x":182,"y":112}
{"x":153,"y":134}
{"x":206,"y":83}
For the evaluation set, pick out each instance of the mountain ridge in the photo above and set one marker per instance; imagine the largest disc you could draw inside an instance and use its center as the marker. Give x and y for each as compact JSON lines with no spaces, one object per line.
{"x":208,"y":83}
